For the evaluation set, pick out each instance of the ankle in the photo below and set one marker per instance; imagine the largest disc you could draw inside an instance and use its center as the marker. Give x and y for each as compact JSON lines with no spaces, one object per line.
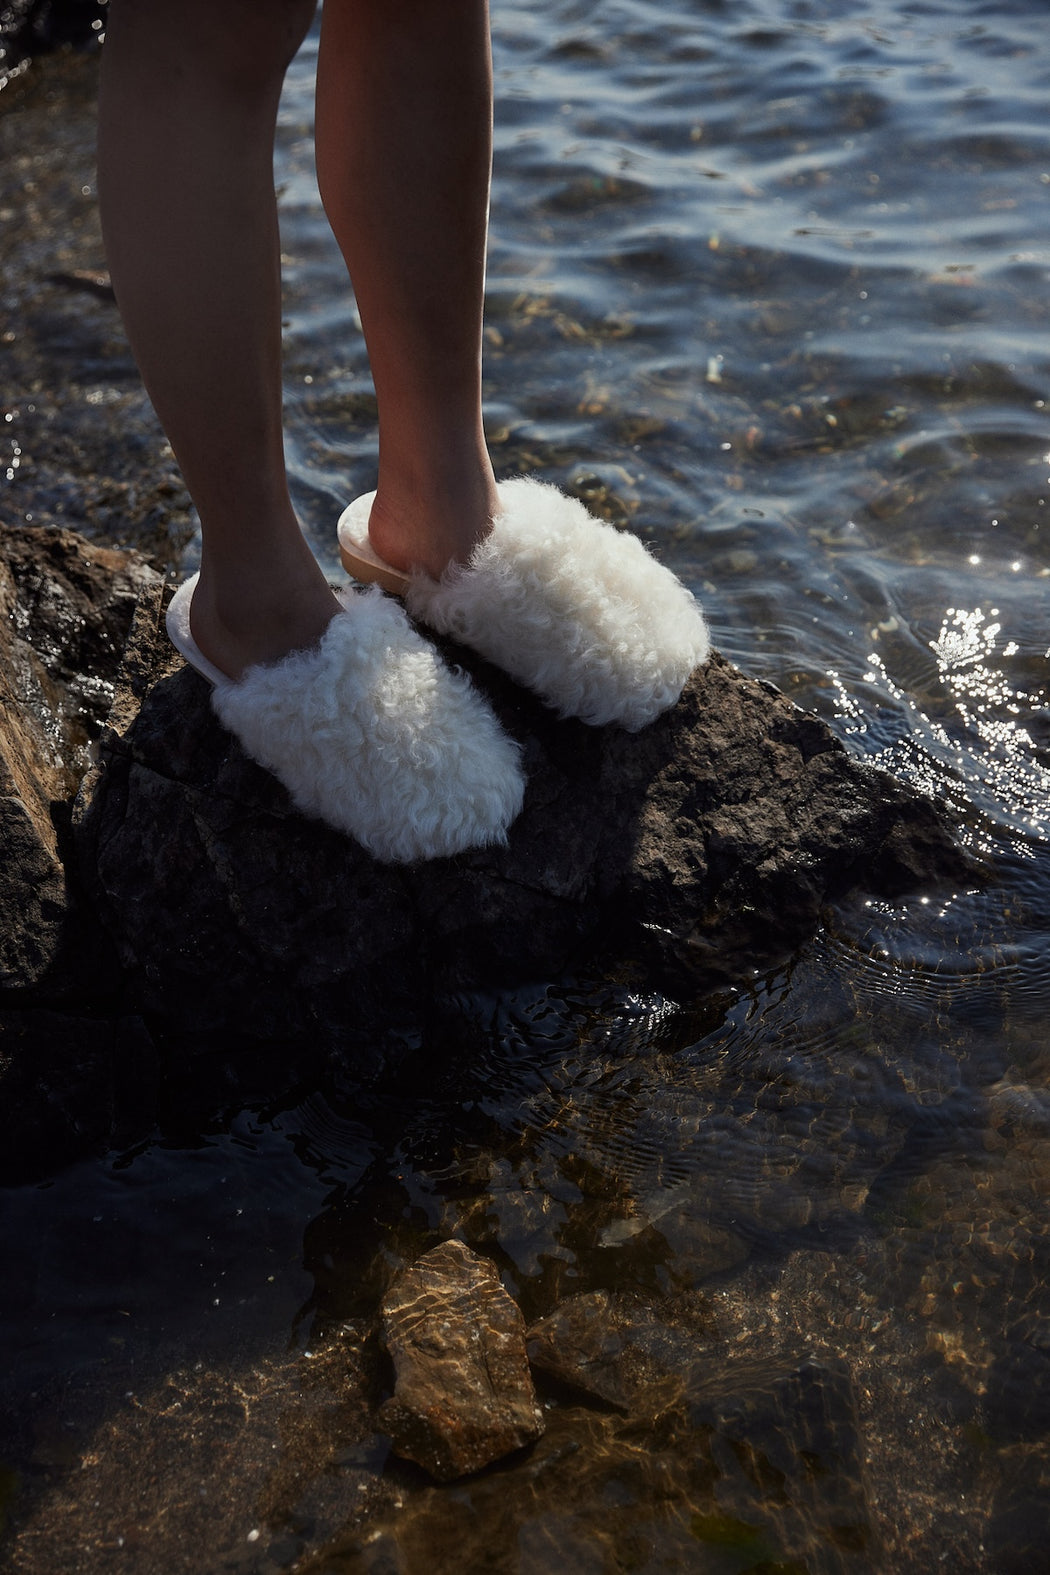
{"x":431,"y":524}
{"x":260,"y":618}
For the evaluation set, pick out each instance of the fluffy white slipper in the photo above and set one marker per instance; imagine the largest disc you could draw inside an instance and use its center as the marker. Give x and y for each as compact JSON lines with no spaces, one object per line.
{"x":574,"y":609}
{"x":372,"y":733}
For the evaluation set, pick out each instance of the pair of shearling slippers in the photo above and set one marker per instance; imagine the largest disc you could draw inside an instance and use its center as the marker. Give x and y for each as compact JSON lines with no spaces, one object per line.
{"x":371,"y":732}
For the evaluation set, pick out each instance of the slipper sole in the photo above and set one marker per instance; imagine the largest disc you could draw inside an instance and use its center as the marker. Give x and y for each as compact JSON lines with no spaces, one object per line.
{"x":363,"y":563}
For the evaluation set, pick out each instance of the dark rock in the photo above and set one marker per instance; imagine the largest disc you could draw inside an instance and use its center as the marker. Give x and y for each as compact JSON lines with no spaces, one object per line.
{"x":70,"y":605}
{"x":65,"y":611}
{"x":777,"y":1439}
{"x":79,"y":1079}
{"x":804,"y":1427}
{"x":714,"y":837}
{"x":261,"y":947}
{"x":463,"y":1396}
{"x":680,"y":1217}
{"x":32,"y":778}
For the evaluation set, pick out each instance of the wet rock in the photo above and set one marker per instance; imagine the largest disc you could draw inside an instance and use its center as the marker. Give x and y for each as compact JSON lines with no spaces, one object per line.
{"x":713,"y":839}
{"x":32,"y":880}
{"x":803,"y":1427}
{"x":706,"y":845}
{"x":79,"y":1077}
{"x":69,"y":605}
{"x":32,"y":778}
{"x":680,"y":1218}
{"x":463,"y":1396}
{"x":65,"y":610}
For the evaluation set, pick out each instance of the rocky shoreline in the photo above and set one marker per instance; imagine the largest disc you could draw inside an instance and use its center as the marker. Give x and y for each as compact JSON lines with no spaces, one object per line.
{"x":761,"y":1368}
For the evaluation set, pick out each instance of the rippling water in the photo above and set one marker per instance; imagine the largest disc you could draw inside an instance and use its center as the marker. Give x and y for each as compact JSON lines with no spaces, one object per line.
{"x":768,"y":281}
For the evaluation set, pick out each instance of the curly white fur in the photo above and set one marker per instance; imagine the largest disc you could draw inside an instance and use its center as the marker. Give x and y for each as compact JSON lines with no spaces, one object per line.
{"x":574,"y":609}
{"x":372,"y":733}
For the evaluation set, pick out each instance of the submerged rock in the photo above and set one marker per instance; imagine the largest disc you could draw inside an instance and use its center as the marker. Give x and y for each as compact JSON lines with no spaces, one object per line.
{"x":755,"y":1462}
{"x":774,"y":1440}
{"x":611,"y":1350}
{"x":786,"y":1440}
{"x":463,"y":1395}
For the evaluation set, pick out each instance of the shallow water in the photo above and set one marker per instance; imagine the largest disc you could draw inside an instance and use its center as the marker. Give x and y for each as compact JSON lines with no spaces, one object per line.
{"x":768,"y":281}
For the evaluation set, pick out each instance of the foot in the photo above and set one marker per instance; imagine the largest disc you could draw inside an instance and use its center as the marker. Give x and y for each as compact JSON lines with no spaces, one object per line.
{"x":262,"y":614}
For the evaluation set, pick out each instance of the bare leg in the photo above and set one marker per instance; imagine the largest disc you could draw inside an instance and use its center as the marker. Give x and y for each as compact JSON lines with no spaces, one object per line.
{"x":188,"y":107}
{"x":404,"y":147}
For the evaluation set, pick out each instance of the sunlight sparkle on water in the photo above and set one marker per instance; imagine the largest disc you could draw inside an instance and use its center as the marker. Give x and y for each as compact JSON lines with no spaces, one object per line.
{"x":980,"y":739}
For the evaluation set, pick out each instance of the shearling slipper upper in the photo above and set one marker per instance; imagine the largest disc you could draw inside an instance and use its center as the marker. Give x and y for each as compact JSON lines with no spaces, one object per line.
{"x":572,"y":608}
{"x":372,"y":733}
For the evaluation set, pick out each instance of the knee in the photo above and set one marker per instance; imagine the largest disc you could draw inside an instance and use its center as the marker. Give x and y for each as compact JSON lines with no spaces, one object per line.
{"x":259,"y":38}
